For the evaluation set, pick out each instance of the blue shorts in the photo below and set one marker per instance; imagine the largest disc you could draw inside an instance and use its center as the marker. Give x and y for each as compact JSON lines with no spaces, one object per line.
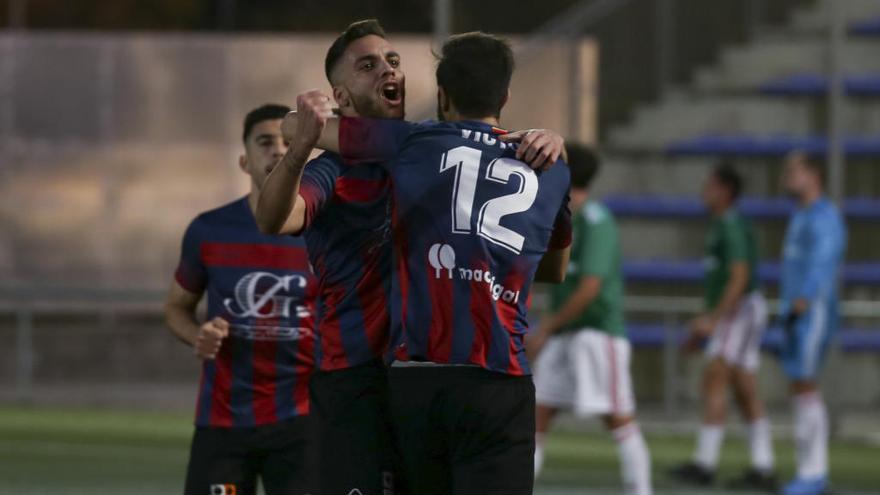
{"x":806,"y":340}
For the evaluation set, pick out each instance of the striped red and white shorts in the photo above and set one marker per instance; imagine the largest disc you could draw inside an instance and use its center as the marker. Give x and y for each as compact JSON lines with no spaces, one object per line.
{"x":586,"y":371}
{"x":737,"y":338}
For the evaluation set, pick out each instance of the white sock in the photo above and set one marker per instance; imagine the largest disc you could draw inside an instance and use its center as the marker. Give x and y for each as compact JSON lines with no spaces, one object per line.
{"x":811,"y":435}
{"x":709,"y":446}
{"x":761,"y":445}
{"x":635,"y":461}
{"x":539,"y":453}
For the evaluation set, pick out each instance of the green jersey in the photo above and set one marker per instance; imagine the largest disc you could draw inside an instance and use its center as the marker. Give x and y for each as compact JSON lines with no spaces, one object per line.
{"x":595,"y":251}
{"x":730,"y":240}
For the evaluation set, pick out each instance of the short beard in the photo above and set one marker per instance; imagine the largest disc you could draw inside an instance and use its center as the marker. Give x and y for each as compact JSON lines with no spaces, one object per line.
{"x":368,"y":107}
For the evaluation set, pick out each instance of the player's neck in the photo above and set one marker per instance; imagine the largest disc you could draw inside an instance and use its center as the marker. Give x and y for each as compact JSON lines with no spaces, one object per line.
{"x":720,"y":211}
{"x":253,"y":198}
{"x":809,"y":197}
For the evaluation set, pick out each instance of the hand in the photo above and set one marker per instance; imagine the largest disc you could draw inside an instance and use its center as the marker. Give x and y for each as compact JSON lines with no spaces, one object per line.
{"x":303,"y":127}
{"x":535,"y":342}
{"x":800,"y":306}
{"x":210,"y":337}
{"x":703,"y":326}
{"x":539,"y":148}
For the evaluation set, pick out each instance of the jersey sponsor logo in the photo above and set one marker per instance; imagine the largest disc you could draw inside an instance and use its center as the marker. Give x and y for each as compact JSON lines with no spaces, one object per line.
{"x":223,"y":489}
{"x":441,"y":257}
{"x":266,"y":296}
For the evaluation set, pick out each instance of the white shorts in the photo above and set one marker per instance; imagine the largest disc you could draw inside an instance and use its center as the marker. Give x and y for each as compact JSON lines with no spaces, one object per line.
{"x":737,"y":338}
{"x":586,"y":371}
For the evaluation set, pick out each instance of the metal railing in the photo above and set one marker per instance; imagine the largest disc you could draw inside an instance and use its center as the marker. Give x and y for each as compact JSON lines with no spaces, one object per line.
{"x":25,"y":305}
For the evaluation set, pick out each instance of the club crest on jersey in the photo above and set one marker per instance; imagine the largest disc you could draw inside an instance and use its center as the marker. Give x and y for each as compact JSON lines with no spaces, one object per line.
{"x":441,"y":257}
{"x":266,"y":295}
{"x":264,"y":299}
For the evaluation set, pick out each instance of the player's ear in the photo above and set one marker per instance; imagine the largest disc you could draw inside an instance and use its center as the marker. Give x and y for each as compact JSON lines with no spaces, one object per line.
{"x":340,"y":94}
{"x":242,"y":163}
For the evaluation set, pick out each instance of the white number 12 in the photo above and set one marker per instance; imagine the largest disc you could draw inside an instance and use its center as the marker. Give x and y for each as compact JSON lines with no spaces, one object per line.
{"x":466,"y":162}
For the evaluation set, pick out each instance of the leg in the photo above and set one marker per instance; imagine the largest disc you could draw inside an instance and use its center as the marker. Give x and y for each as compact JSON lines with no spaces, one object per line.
{"x":543,"y":417}
{"x":490,"y":422}
{"x":416,"y":412}
{"x":554,"y":389}
{"x":635,"y":461}
{"x":286,"y":469}
{"x":715,"y":380}
{"x":802,"y":357}
{"x":353,"y":445}
{"x":219,"y":464}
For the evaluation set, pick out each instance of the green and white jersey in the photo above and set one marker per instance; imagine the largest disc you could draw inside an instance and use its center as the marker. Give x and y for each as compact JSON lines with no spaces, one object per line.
{"x":595,"y":251}
{"x":731,"y":239}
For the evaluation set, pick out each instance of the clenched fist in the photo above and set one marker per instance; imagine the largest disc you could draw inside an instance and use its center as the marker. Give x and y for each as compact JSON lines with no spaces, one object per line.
{"x":303,"y":127}
{"x":210,"y":338}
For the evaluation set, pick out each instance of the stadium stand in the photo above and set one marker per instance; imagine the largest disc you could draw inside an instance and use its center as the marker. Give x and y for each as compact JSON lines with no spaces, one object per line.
{"x":849,"y":339}
{"x":866,"y":27}
{"x":749,"y":145}
{"x":692,"y":271}
{"x":810,"y":84}
{"x":684,"y":207}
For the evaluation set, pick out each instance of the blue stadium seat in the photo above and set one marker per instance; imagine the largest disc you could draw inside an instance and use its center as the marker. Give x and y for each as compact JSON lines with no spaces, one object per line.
{"x":866,"y":27}
{"x":691,"y":207}
{"x":850,"y":339}
{"x":691,"y":271}
{"x":817,"y":84}
{"x":770,"y":145}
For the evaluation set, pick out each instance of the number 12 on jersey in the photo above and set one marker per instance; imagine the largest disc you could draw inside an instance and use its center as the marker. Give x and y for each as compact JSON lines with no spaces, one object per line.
{"x":466,"y":163}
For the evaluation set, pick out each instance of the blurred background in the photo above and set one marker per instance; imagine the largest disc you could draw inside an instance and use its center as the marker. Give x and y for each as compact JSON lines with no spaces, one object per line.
{"x":120,"y":121}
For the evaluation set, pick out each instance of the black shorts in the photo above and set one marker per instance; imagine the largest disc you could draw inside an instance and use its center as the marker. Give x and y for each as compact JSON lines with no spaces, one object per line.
{"x":353,"y":444}
{"x":228,"y":461}
{"x":463,"y":430}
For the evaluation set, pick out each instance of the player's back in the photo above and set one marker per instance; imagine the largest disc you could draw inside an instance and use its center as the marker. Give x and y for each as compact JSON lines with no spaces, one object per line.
{"x":471,"y":224}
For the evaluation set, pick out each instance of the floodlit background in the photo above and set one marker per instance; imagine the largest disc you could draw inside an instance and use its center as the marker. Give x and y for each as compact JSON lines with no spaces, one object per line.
{"x":120,"y":121}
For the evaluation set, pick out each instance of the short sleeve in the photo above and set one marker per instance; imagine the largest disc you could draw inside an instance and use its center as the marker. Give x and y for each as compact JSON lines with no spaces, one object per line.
{"x":317,"y":185}
{"x":191,"y":273}
{"x":560,"y":238}
{"x":735,"y":241}
{"x":363,"y":140}
{"x":598,"y":250}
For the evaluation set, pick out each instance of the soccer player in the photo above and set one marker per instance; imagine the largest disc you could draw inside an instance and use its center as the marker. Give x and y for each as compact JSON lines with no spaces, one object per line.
{"x":472,"y":225}
{"x":343,"y":214}
{"x":815,"y":243}
{"x":257,"y":344}
{"x":583,"y":349}
{"x":734,"y":322}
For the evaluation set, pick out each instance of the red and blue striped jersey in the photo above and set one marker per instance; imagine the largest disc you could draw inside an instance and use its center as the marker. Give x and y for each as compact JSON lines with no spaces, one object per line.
{"x":347,"y":230}
{"x":470,"y":225}
{"x":263,"y":287}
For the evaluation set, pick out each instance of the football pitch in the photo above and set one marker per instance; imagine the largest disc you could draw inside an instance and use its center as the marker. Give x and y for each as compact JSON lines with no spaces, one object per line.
{"x":76,"y":451}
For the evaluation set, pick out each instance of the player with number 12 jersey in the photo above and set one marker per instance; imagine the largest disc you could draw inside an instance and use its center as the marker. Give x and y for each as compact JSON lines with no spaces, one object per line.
{"x":470,"y":225}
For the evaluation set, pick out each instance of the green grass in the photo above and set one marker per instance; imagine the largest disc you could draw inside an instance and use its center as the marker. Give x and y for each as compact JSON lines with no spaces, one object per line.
{"x":63,"y":451}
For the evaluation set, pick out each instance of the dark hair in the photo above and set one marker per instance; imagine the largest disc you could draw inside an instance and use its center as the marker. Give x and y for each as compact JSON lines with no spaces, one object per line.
{"x":729,"y":178}
{"x":474,"y":71}
{"x":584,"y":165}
{"x":354,"y":32}
{"x":269,"y":111}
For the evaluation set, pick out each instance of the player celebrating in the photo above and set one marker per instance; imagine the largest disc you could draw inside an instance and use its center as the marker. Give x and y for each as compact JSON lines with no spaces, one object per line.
{"x":257,"y":344}
{"x":735,"y":321}
{"x":343,"y":214}
{"x":815,"y":242}
{"x":585,"y":360}
{"x":470,"y":225}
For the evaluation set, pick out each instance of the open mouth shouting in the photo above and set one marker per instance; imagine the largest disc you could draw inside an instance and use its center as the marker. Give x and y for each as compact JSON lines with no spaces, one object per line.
{"x":391,"y":92}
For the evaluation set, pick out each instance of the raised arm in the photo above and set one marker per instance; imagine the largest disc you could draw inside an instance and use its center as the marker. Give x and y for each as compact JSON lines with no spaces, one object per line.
{"x":281,"y":209}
